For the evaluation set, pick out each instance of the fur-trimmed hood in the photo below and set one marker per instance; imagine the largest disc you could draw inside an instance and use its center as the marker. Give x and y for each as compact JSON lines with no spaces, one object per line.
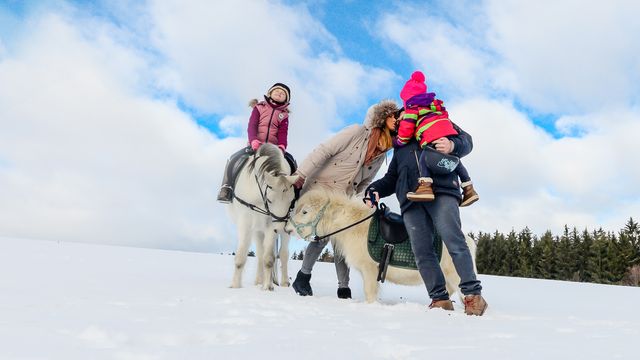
{"x":378,"y":113}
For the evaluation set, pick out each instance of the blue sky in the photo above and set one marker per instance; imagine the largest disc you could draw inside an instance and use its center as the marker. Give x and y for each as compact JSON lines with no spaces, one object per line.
{"x":112,"y":105}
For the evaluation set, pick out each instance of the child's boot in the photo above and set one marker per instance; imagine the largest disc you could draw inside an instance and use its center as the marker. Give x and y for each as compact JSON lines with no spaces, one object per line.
{"x":424,"y":192}
{"x":469,"y":195}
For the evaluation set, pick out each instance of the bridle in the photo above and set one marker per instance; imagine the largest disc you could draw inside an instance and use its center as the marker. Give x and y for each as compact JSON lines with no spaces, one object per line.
{"x":314,"y":224}
{"x":265,"y":200}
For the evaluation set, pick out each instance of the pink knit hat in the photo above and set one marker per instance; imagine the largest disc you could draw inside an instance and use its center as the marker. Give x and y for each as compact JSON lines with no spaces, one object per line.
{"x":414,"y":86}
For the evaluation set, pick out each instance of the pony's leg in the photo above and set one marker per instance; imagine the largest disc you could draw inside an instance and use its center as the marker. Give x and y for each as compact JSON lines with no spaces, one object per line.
{"x":370,"y":279}
{"x":284,"y":259}
{"x":259,"y":255}
{"x":244,"y":240}
{"x":268,"y":258}
{"x":450,"y":274}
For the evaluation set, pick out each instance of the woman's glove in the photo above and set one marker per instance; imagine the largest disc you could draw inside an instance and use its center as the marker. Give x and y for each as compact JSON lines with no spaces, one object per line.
{"x":255,"y":144}
{"x":299,"y":182}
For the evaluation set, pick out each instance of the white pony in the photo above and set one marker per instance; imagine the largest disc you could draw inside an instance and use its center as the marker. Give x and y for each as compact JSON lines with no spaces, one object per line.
{"x":262,"y":198}
{"x":319,"y":212}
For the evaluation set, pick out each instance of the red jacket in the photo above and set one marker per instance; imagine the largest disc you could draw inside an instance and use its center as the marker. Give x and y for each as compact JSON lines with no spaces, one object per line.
{"x":426,"y":124}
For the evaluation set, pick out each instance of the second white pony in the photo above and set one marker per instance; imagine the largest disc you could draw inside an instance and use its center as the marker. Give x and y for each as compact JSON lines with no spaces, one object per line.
{"x":319,"y":212}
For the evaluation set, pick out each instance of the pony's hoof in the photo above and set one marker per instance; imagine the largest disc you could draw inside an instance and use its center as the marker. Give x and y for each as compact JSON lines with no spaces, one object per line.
{"x":268,"y":287}
{"x":285,"y":284}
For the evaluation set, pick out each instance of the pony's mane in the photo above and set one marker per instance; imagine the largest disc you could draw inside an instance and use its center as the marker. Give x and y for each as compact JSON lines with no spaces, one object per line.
{"x":271,"y":160}
{"x":349,"y":205}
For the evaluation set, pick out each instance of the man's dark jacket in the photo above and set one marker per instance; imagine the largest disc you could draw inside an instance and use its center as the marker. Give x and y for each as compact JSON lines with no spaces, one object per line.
{"x":402,"y":175}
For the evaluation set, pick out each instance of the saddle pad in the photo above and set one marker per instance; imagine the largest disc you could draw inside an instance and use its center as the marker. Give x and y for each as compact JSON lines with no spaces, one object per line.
{"x":402,"y":253}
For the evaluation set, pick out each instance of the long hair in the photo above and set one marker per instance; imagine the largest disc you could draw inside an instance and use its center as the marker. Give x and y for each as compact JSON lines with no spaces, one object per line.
{"x":385,"y":141}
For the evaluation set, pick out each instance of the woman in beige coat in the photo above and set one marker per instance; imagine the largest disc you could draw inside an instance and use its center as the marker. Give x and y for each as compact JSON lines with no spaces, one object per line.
{"x":345,"y":163}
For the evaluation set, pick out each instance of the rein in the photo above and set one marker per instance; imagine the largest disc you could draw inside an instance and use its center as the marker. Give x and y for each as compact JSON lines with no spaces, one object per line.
{"x":314,"y":224}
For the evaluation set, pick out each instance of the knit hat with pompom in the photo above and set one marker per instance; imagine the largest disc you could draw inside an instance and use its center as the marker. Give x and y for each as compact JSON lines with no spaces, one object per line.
{"x":414,"y":86}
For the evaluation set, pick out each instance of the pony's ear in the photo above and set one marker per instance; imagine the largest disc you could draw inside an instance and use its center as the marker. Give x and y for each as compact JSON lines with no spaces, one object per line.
{"x":291,"y":179}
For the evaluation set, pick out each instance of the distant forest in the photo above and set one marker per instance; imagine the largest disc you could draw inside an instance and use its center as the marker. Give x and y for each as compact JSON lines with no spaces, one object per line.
{"x":583,"y":256}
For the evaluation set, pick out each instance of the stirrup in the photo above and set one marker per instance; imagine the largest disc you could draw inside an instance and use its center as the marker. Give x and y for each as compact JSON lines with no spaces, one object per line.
{"x":387,"y":253}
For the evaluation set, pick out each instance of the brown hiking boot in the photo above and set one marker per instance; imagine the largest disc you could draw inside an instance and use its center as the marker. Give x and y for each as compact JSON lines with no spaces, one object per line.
{"x":474,"y":305}
{"x":442,"y":304}
{"x":469,"y":195}
{"x":424,"y":192}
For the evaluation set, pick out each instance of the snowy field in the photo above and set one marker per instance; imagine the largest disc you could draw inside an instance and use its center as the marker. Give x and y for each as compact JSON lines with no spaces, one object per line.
{"x":78,"y":301}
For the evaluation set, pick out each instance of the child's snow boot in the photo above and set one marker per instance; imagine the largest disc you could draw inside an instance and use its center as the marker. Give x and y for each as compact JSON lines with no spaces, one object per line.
{"x":469,"y":195}
{"x":424,"y":192}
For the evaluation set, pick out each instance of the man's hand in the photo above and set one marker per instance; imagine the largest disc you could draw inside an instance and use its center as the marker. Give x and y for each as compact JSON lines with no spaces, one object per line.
{"x":444,"y":145}
{"x":371,"y":194}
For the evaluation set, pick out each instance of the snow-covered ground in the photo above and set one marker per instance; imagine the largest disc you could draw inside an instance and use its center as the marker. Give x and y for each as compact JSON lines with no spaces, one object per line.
{"x":79,"y":301}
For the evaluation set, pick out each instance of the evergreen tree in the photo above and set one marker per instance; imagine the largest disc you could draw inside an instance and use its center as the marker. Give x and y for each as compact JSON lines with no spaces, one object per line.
{"x":565,"y":256}
{"x":482,"y":253}
{"x":547,"y":264}
{"x":587,"y":256}
{"x":326,"y":256}
{"x":509,"y":265}
{"x":631,"y":233}
{"x":496,"y":254}
{"x":525,"y":267}
{"x":598,"y":261}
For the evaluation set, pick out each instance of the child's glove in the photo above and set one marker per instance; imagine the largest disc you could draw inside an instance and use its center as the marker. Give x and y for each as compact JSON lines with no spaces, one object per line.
{"x":282,"y":148}
{"x":255,"y":144}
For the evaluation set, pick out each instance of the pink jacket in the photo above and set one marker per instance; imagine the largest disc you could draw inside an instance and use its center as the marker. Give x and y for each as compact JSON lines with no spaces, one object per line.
{"x":269,"y":123}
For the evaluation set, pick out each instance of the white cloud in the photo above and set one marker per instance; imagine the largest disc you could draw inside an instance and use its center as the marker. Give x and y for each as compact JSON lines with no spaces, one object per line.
{"x":444,"y":52}
{"x":88,"y":159}
{"x":527,"y":178}
{"x":554,"y":57}
{"x":567,"y":56}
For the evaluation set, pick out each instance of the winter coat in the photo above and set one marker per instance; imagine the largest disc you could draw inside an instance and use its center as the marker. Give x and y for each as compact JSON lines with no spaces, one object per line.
{"x":268,"y":123}
{"x":402,"y":175}
{"x":426,"y":119}
{"x":338,"y":163}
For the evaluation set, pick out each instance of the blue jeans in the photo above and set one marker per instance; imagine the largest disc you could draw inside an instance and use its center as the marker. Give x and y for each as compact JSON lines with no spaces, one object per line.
{"x":441,"y":215}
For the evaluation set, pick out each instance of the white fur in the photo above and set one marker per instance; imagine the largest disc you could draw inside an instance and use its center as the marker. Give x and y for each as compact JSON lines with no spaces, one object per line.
{"x":253,"y":225}
{"x":342,"y":211}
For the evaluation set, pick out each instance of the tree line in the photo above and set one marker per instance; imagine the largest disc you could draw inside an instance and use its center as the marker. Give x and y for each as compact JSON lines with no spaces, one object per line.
{"x":584,"y":256}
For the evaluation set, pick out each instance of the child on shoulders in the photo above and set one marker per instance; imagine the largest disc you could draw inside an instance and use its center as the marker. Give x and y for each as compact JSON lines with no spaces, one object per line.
{"x":427,"y":120}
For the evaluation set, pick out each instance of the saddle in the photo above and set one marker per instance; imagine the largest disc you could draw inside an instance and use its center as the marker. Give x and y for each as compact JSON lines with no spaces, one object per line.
{"x":391,"y":226}
{"x":388,"y":242}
